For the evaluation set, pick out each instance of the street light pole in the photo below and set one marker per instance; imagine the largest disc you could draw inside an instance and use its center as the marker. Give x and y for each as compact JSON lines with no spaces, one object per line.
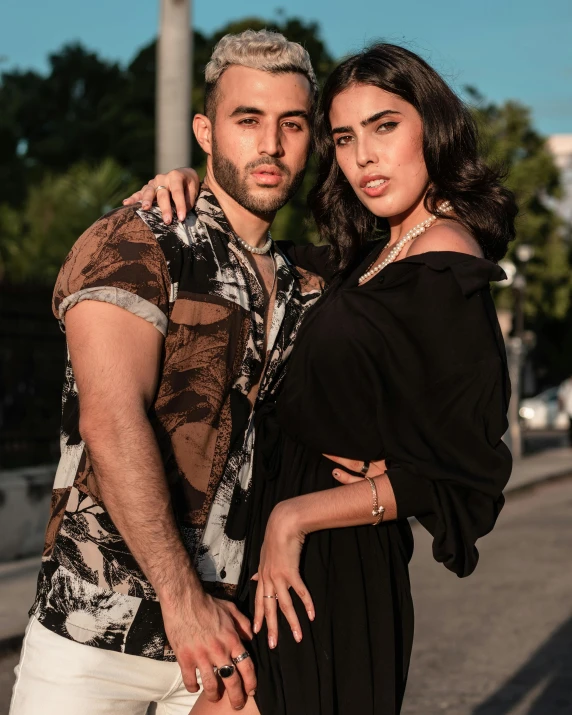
{"x":173,"y":90}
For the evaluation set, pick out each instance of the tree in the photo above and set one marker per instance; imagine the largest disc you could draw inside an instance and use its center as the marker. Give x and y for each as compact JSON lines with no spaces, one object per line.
{"x":509,"y":138}
{"x":34,"y":241}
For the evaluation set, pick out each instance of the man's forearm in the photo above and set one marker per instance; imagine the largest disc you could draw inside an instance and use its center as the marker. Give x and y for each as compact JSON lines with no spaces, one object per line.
{"x":129,"y":471}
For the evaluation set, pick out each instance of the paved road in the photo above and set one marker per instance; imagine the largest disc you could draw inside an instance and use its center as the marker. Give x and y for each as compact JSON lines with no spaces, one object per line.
{"x":500,"y":642}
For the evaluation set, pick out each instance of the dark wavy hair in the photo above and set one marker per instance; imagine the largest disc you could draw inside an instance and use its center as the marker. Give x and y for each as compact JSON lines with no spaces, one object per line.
{"x":450,"y":148}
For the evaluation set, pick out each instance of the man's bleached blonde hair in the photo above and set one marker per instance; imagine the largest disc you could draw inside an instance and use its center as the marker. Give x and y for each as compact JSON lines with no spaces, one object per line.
{"x":263,"y":50}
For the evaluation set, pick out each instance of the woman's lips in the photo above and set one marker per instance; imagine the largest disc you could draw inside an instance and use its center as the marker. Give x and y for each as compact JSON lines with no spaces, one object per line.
{"x":377,"y":187}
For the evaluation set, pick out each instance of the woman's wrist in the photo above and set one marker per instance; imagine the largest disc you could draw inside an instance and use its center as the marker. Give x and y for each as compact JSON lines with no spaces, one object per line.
{"x":289,"y":515}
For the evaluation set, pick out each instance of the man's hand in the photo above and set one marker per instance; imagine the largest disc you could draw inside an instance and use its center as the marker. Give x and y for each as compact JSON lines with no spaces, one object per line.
{"x":180,"y":185}
{"x":205,"y":632}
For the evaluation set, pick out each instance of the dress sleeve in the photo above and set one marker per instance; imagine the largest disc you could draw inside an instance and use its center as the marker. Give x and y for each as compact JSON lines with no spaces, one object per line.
{"x":117,"y":260}
{"x":446,"y":459}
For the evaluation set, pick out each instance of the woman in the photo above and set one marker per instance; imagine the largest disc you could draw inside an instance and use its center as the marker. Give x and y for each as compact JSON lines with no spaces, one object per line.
{"x":400,"y":366}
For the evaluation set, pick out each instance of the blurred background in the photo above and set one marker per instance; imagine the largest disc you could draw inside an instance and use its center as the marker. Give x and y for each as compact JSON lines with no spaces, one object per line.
{"x":92,"y":105}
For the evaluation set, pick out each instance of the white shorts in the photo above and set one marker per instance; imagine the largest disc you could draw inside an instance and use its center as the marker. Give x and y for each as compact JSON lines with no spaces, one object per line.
{"x":56,"y":676}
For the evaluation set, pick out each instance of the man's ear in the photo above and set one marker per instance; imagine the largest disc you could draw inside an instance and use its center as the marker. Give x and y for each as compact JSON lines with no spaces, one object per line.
{"x":202,"y":128}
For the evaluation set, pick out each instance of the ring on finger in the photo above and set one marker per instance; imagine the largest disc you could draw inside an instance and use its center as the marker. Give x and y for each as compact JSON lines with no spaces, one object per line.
{"x":275,"y":596}
{"x":241,"y":657}
{"x":161,"y":187}
{"x":365,"y":469}
{"x":225,"y":671}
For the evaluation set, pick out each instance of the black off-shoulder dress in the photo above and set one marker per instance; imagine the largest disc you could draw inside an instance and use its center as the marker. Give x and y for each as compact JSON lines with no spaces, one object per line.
{"x":409,"y":367}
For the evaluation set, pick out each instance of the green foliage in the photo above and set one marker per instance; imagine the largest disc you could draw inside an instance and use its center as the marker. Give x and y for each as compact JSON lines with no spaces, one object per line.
{"x":510,"y":139}
{"x":35,"y":240}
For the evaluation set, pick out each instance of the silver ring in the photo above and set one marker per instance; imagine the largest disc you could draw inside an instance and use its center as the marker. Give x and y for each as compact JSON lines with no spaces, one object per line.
{"x":365,"y":469}
{"x":225,"y":671}
{"x":241,"y":657}
{"x":161,"y":187}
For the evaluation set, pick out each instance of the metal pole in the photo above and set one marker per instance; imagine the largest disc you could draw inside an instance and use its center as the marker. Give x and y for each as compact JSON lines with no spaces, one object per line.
{"x":173,"y":92}
{"x":514,"y":349}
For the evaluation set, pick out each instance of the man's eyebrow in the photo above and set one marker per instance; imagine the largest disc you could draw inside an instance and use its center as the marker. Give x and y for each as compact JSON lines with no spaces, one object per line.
{"x":246,"y":110}
{"x":255,"y":110}
{"x":294,"y":113}
{"x":365,"y":122}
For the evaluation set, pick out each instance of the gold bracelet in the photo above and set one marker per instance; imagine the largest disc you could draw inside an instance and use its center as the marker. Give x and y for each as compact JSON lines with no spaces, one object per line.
{"x":378,"y":510}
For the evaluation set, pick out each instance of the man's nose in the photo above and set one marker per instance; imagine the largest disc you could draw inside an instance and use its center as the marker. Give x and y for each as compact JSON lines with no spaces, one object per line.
{"x":271,"y":142}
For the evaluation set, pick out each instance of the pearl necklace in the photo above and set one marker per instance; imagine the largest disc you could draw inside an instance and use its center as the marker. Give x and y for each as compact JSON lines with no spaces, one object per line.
{"x":409,"y":236}
{"x":254,"y":249}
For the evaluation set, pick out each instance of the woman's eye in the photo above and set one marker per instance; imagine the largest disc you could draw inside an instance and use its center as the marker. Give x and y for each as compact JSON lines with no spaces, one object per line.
{"x":387,"y":126}
{"x":342,"y":141}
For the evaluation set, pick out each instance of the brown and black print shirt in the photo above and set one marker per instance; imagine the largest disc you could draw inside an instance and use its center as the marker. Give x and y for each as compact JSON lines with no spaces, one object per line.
{"x":192,"y":281}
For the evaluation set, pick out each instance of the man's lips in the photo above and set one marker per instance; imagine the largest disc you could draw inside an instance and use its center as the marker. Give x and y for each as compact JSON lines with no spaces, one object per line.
{"x":267,"y":175}
{"x":374,"y":184}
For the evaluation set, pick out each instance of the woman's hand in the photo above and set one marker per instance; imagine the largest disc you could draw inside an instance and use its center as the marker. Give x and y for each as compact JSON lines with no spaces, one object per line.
{"x":180,"y":185}
{"x":375,"y":469}
{"x":279,"y":570}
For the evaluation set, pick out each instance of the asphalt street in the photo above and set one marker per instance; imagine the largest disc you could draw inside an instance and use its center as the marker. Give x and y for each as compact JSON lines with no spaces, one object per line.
{"x":499,"y":642}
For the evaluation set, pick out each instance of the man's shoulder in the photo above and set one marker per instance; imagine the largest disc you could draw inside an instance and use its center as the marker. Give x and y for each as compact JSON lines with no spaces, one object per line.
{"x":117,"y":251}
{"x":120,"y":224}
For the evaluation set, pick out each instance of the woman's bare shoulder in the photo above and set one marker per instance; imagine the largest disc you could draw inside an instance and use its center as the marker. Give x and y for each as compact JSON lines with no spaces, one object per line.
{"x":449,"y":236}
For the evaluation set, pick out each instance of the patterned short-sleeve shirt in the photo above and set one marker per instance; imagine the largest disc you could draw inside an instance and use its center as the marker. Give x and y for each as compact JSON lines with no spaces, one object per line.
{"x":192,"y":282}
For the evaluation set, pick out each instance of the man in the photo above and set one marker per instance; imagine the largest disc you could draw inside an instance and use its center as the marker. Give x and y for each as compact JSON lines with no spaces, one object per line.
{"x":175,"y":334}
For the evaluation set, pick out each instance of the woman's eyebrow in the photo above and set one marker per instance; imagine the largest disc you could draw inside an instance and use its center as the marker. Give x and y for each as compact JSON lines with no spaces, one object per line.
{"x":365,"y":122}
{"x":379,"y":115}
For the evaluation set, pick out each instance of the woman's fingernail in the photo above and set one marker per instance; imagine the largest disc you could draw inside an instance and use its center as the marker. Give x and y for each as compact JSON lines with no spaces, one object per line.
{"x":336,"y":473}
{"x":167,"y":219}
{"x":256,"y":627}
{"x":182,"y":216}
{"x":252,"y":693}
{"x":311,"y":615}
{"x":297,"y":636}
{"x":146,"y":205}
{"x":272,"y":641}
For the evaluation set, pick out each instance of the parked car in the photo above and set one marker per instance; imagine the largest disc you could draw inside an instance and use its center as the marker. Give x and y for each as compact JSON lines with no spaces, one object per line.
{"x":543,"y":411}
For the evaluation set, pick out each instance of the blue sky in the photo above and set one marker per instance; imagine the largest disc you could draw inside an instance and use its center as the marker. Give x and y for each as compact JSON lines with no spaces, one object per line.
{"x":508,"y":49}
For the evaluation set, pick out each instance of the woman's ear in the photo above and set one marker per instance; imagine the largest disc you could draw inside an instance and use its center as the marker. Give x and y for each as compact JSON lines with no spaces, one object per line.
{"x":202,"y":128}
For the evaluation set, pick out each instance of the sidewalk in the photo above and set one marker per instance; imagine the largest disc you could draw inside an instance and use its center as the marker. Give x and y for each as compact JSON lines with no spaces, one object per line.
{"x":18,"y":578}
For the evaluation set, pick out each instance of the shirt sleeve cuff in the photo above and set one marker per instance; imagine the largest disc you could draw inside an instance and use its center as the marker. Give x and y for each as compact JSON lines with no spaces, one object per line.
{"x":413,"y":494}
{"x":122,"y":299}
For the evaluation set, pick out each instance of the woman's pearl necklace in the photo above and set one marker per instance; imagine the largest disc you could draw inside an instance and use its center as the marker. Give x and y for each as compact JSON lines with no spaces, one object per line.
{"x":409,"y":236}
{"x":254,"y":249}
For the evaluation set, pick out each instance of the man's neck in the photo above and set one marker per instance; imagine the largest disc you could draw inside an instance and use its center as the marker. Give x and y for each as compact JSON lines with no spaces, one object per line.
{"x":251,"y":227}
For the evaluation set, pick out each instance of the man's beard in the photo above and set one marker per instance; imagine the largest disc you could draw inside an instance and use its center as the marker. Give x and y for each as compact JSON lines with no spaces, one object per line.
{"x":229,"y":178}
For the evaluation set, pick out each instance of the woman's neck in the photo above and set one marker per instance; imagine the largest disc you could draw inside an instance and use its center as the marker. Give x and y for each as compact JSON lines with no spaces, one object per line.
{"x":400,"y":224}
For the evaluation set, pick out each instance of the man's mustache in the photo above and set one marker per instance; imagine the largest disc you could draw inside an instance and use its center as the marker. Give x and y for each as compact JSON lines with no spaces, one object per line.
{"x":268,"y":161}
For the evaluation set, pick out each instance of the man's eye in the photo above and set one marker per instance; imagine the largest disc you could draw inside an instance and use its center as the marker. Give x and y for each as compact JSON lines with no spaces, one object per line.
{"x":248,"y":121}
{"x":291,"y":125}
